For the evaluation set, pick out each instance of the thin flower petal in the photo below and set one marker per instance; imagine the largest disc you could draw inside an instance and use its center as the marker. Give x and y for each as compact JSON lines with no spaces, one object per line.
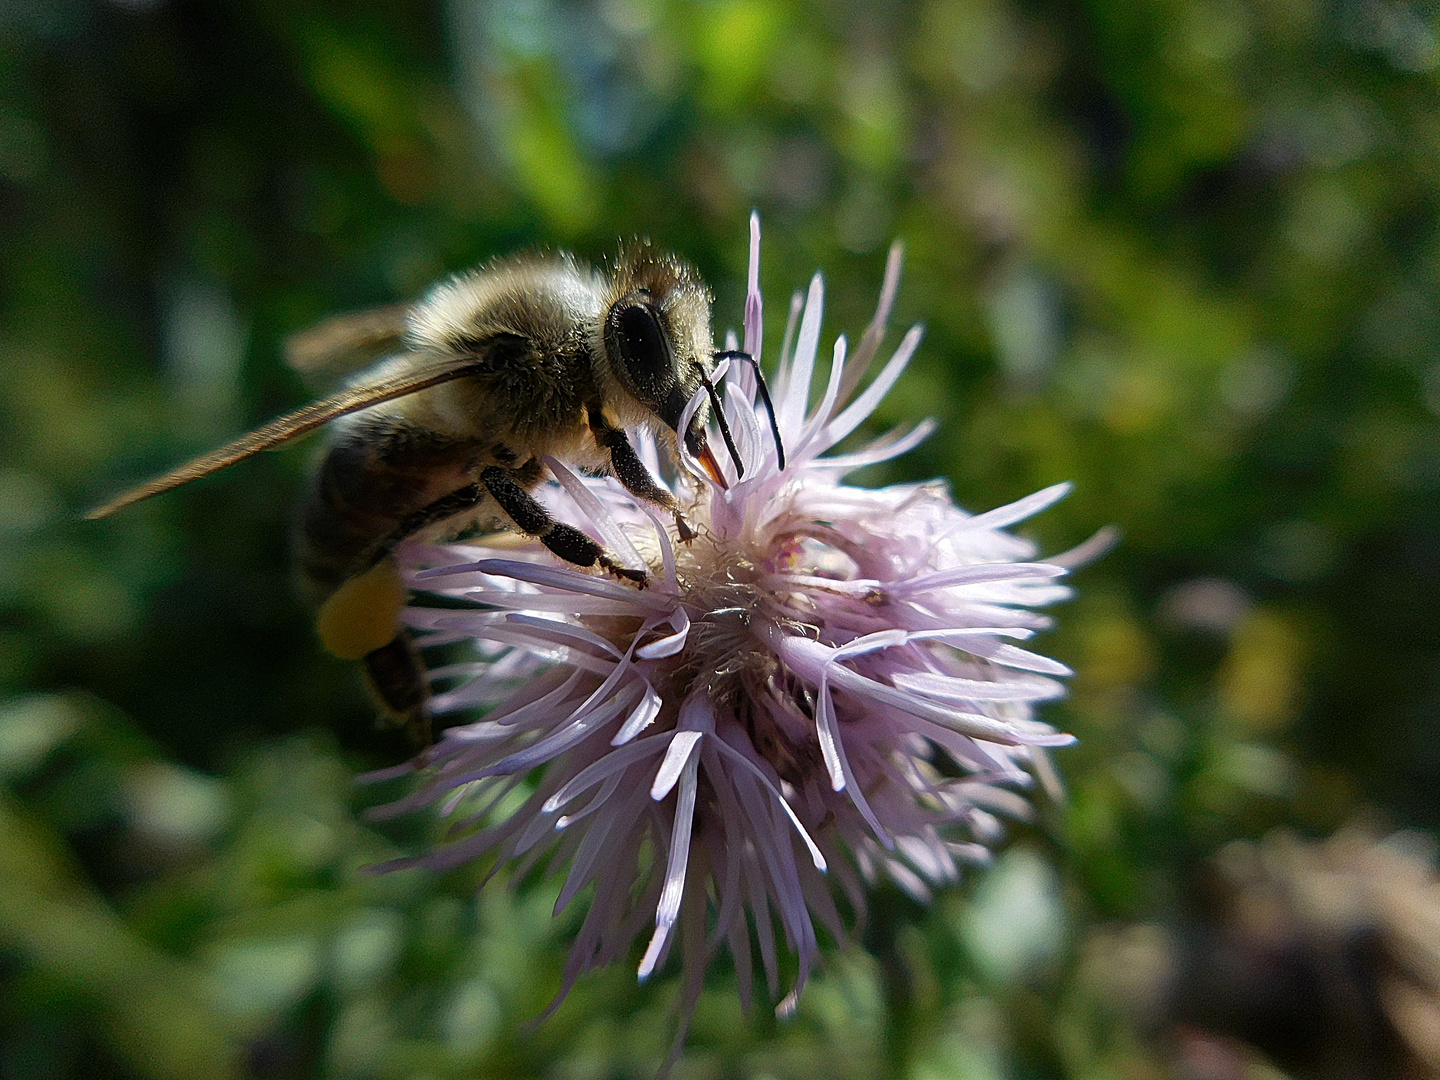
{"x":1004,"y":516}
{"x":671,"y":643}
{"x":668,"y":910}
{"x":753,"y":305}
{"x":682,"y":746}
{"x":642,"y":717}
{"x":795,"y":391}
{"x":865,"y":404}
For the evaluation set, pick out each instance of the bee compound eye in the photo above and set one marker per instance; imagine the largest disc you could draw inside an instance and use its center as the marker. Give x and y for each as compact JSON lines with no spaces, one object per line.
{"x":644,"y":352}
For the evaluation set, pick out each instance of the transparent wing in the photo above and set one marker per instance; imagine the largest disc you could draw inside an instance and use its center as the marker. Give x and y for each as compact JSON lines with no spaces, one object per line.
{"x":293,"y":425}
{"x":347,"y":342}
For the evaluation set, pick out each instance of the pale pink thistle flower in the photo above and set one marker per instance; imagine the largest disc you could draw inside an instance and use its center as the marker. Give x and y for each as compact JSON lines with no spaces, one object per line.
{"x":818,"y":690}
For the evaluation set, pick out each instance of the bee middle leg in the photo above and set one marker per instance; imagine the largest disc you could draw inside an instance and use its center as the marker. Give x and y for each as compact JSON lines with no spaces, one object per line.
{"x":442,"y":509}
{"x":631,"y":471}
{"x":531,"y":518}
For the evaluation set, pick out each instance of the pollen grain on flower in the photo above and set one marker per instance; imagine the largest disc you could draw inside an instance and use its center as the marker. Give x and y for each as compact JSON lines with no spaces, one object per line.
{"x":820,"y":689}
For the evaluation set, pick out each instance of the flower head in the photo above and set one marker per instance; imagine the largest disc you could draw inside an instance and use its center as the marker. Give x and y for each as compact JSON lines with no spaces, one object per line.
{"x":818,"y":689}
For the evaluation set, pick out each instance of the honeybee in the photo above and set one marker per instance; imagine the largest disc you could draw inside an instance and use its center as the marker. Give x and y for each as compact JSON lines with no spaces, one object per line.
{"x":530,"y":356}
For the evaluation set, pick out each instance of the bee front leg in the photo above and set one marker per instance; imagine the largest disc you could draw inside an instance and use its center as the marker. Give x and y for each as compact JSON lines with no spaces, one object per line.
{"x":531,"y":518}
{"x":631,"y":471}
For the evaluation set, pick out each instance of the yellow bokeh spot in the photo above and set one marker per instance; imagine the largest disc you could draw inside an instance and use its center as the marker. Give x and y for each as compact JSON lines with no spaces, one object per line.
{"x":733,"y":47}
{"x":363,"y":614}
{"x":1117,"y":651}
{"x":1261,"y":683}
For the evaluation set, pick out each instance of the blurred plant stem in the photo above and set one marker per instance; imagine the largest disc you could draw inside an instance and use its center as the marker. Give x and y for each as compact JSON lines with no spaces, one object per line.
{"x":157,"y":1011}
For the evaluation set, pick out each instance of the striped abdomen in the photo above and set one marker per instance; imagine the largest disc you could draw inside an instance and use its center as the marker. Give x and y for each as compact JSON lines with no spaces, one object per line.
{"x":372,"y":481}
{"x":377,"y":485}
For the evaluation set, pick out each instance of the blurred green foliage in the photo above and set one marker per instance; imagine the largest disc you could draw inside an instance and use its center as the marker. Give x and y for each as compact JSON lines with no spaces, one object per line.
{"x":1182,"y":252}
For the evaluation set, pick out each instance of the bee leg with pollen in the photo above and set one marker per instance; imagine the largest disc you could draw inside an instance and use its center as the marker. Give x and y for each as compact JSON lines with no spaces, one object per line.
{"x":361,"y":621}
{"x":631,"y":471}
{"x":531,"y":518}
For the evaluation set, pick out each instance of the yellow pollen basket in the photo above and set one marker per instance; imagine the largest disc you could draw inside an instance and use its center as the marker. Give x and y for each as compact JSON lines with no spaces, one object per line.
{"x":363,"y":614}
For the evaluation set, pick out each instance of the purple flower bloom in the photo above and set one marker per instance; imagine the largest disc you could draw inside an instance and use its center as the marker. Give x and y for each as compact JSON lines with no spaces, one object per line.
{"x":820,"y":689}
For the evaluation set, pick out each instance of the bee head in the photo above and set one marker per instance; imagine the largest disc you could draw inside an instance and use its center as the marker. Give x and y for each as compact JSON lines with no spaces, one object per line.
{"x":657,"y":341}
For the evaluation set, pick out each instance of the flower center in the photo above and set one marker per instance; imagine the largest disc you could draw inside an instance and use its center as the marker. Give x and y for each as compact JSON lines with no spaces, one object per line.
{"x":727,"y":588}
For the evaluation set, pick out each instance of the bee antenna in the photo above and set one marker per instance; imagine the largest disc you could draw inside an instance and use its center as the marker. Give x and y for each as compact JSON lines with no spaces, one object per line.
{"x":720,"y":419}
{"x":733,"y":354}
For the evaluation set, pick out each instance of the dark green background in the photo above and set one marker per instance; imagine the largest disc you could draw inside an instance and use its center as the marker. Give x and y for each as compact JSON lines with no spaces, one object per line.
{"x":1181,"y":252}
